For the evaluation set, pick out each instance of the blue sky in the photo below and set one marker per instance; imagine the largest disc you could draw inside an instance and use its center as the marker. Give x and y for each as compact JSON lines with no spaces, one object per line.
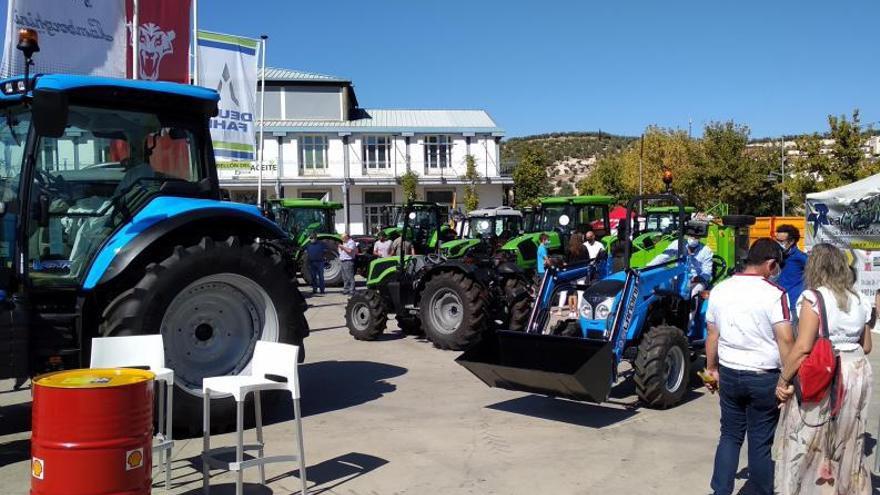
{"x":778,"y":66}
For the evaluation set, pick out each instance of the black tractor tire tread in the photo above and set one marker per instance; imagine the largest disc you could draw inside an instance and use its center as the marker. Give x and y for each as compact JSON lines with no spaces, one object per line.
{"x":378,"y":315}
{"x":474,"y":300}
{"x":649,"y":367}
{"x":521,"y":310}
{"x":139,"y":310}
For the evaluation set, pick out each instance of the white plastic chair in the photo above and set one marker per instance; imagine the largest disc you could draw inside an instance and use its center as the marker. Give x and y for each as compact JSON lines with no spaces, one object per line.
{"x":270,"y":360}
{"x":143,"y":351}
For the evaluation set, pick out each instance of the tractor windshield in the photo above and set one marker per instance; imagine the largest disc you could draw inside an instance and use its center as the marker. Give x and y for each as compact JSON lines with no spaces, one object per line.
{"x":503,"y":226}
{"x":105,"y":167}
{"x":568,"y":218}
{"x":308,"y":220}
{"x":661,"y":222}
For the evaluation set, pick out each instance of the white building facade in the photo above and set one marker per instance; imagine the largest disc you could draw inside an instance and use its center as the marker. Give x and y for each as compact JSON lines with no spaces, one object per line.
{"x":318,"y":143}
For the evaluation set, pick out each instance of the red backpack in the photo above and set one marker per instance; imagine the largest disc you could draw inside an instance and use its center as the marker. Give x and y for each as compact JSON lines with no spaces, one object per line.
{"x":819,"y":370}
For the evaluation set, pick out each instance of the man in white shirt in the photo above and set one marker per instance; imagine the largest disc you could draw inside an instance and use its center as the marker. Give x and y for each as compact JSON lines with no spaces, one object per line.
{"x":382,"y":247}
{"x":594,"y":247}
{"x":347,"y":252}
{"x":748,"y":330}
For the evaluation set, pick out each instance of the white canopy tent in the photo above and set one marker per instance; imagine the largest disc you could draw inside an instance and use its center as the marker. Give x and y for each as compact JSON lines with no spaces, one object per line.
{"x":849,"y":217}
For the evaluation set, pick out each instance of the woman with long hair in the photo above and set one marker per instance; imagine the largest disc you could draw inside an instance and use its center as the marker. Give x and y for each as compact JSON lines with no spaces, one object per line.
{"x":577,"y":252}
{"x":820,"y":448}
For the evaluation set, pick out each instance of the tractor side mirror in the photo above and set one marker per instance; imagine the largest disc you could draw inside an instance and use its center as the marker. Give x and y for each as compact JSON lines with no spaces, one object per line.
{"x":50,"y":111}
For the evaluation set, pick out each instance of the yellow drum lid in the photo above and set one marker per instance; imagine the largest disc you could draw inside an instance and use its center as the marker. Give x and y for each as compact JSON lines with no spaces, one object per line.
{"x":95,"y":378}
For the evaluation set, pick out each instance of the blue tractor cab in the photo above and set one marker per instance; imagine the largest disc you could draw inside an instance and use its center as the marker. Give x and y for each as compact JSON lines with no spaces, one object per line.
{"x":644,"y":315}
{"x":111,"y":224}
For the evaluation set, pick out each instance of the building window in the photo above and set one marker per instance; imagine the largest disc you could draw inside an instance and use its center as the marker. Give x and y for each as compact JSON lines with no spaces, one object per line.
{"x":377,"y":152}
{"x":314,"y":153}
{"x":378,"y":210}
{"x":438,"y":152}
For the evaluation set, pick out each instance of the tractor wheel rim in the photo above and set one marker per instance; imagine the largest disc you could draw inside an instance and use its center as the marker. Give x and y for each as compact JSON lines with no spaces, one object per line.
{"x":674,"y":369}
{"x":211,"y":327}
{"x":447,"y":311}
{"x":332,"y":267}
{"x":360,"y":315}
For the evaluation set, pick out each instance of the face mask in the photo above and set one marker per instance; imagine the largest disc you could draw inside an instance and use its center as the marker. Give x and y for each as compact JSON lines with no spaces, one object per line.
{"x":783,"y":244}
{"x":774,"y":274}
{"x":692,"y":242}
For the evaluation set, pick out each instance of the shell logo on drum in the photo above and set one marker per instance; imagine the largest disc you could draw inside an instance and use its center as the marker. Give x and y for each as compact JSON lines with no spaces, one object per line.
{"x":134,"y":459}
{"x":38,"y":470}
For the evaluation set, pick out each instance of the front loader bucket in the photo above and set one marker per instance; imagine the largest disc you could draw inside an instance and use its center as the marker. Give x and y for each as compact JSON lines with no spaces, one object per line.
{"x":568,"y":367}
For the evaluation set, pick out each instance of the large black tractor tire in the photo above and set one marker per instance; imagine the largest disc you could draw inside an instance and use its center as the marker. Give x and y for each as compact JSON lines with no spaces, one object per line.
{"x":410,"y":325}
{"x":662,"y":367}
{"x":365,"y":315}
{"x":211,"y":302}
{"x":332,"y":266}
{"x":453,"y":311}
{"x":738,"y":220}
{"x":518,"y":312}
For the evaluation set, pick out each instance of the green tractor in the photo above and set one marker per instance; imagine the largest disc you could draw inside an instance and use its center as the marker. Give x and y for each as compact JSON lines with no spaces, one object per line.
{"x":558,"y":217}
{"x":300,"y":218}
{"x":454,"y":301}
{"x":486,"y":230}
{"x":424,"y":218}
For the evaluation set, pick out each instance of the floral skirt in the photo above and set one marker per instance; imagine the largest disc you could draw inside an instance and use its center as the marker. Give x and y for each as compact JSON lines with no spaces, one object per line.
{"x":817,"y":456}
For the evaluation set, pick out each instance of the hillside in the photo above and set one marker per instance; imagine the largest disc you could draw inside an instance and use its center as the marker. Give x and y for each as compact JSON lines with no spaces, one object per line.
{"x":570,"y":155}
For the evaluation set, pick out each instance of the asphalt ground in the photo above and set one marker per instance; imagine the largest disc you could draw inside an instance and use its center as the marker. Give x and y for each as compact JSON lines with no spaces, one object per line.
{"x":397,"y":416}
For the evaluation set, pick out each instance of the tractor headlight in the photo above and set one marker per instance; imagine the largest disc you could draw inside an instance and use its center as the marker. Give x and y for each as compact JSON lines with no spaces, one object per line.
{"x":586,"y":310}
{"x":603,"y":309}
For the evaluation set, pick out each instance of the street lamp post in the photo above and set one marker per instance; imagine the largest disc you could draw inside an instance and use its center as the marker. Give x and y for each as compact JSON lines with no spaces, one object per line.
{"x":782,"y":172}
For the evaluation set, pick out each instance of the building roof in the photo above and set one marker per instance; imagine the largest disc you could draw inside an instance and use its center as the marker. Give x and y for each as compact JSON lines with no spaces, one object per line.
{"x":290,"y":75}
{"x":396,"y":121}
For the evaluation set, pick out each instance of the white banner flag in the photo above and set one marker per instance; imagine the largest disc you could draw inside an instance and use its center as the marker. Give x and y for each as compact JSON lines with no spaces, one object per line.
{"x":76,"y":37}
{"x":229,"y":65}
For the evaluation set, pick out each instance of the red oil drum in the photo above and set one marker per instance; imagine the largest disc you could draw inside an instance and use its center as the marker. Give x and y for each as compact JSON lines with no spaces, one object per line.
{"x":92,"y":432}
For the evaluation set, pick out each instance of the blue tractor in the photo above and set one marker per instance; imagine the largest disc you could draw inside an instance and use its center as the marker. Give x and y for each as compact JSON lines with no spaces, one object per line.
{"x":111,"y":224}
{"x":643,"y":315}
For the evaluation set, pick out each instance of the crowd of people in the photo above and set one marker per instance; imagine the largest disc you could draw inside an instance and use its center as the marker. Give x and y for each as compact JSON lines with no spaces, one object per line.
{"x":762,"y":324}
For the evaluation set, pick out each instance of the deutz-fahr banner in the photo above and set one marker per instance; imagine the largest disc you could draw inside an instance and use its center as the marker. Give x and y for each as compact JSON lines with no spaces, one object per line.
{"x":849,"y":218}
{"x":229,"y":65}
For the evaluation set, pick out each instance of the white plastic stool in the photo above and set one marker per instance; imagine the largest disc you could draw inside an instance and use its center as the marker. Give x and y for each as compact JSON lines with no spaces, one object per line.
{"x":143,"y":351}
{"x":270,"y":360}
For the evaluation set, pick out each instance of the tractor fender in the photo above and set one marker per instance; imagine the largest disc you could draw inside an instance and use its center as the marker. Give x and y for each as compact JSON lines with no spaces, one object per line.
{"x":448,"y":266}
{"x":168,"y":216}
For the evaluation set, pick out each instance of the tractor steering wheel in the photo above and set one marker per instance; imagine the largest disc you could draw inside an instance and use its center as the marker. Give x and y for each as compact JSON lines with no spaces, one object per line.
{"x":435,"y":259}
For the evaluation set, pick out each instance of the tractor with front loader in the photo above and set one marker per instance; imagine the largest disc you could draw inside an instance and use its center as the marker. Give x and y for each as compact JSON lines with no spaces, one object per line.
{"x":113,"y":224}
{"x":455,"y":302}
{"x":645,"y":315}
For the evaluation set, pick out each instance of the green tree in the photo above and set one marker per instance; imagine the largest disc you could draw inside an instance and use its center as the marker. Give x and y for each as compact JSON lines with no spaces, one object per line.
{"x":605,"y":178}
{"x":821,"y":165}
{"x":471,"y":197}
{"x":530,"y":178}
{"x":727,"y":173}
{"x":410,"y":183}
